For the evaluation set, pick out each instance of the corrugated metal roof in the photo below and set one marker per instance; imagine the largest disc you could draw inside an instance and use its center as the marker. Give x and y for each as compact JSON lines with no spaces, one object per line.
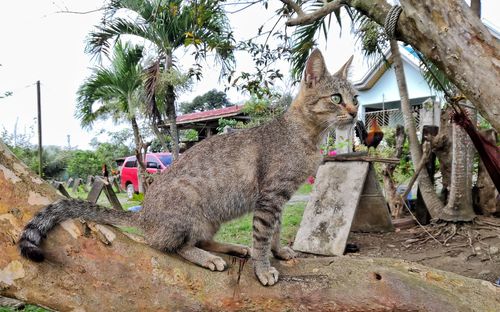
{"x":211,"y":114}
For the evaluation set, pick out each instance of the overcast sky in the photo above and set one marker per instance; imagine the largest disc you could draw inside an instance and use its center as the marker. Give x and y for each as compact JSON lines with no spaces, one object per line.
{"x":38,"y":43}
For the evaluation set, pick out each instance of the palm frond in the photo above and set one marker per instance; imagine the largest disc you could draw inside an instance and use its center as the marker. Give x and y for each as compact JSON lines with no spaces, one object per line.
{"x":111,"y":87}
{"x":434,"y":77}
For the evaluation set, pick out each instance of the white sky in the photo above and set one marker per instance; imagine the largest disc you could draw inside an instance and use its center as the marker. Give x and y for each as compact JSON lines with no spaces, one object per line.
{"x":40,"y":44}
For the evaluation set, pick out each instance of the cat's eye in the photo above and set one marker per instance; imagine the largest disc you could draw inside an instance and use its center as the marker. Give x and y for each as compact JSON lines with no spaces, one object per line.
{"x":336,"y":98}
{"x":355,"y":100}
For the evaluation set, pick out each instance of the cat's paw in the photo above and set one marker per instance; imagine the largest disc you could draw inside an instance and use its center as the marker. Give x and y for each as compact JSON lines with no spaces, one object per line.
{"x":267,"y":275}
{"x":284,"y":253}
{"x":215,"y":264}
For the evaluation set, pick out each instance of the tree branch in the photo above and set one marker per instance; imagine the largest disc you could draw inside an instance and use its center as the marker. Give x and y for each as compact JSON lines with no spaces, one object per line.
{"x":425,"y":158}
{"x":308,"y":18}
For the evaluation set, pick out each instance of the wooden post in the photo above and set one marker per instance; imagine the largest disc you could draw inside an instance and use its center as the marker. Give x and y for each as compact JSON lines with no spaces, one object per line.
{"x":100,"y":185}
{"x":95,"y":191}
{"x":421,"y":212}
{"x":39,"y":109}
{"x":76,"y":185}
{"x":60,"y":187}
{"x":487,"y":195}
{"x":343,"y":139}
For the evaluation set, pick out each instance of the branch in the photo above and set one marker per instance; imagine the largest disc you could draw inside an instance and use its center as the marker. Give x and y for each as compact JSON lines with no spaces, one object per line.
{"x":81,"y":13}
{"x":361,"y":158}
{"x":309,"y":18}
{"x":426,"y":153}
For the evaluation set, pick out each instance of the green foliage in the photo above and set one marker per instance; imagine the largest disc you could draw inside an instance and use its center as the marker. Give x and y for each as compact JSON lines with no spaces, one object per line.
{"x":305,"y":189}
{"x":189,"y":135}
{"x":213,"y":99}
{"x":54,"y":159}
{"x":83,"y":164}
{"x":404,"y":171}
{"x":27,"y":308}
{"x":260,"y":82}
{"x":112,"y":89}
{"x":232,"y":123}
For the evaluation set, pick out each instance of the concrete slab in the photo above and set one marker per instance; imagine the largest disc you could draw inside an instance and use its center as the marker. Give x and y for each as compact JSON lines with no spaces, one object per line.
{"x":330,"y":212}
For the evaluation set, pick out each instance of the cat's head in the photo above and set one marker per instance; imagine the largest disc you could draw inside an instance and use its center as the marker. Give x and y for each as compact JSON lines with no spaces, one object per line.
{"x":325,"y":99}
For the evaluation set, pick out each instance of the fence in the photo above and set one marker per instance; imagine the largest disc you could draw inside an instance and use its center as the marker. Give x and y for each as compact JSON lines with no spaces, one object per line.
{"x":391,"y":117}
{"x":385,"y":118}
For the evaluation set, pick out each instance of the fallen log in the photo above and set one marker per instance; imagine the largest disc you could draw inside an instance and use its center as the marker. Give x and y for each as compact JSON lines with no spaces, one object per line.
{"x":99,"y":268}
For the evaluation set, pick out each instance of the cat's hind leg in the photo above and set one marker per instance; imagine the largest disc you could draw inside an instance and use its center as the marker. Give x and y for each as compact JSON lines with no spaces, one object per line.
{"x":202,"y":258}
{"x":225,"y":248}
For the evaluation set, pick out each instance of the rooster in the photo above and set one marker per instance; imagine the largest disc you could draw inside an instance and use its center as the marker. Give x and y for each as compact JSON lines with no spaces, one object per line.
{"x":371,"y":138}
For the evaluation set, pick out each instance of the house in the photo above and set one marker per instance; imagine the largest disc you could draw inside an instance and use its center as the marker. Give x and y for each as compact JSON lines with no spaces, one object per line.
{"x":378,"y":90}
{"x":207,"y":122}
{"x":379,"y":95}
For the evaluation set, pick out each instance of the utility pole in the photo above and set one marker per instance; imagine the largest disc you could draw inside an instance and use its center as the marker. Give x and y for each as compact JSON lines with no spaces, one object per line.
{"x":39,"y":106}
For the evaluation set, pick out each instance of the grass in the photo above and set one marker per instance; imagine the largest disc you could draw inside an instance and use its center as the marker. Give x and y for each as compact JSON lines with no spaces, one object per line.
{"x":27,"y":308}
{"x":305,"y":189}
{"x":239,"y":231}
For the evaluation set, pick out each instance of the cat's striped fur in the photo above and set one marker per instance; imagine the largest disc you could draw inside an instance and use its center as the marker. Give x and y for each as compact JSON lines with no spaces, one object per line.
{"x":226,"y":176}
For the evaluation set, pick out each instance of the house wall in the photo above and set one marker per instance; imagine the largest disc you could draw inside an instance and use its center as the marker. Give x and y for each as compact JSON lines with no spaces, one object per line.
{"x":386,"y":88}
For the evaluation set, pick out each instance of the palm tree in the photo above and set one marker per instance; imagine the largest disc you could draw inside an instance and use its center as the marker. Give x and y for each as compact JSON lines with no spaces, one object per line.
{"x":115,"y":88}
{"x":168,"y":26}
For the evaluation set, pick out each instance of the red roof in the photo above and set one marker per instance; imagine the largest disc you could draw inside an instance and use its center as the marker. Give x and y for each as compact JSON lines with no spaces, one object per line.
{"x":211,"y":114}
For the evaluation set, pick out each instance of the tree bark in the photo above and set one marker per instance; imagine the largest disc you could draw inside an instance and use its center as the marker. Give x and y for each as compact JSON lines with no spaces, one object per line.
{"x":393,"y":199}
{"x":459,"y":206}
{"x":431,"y":200}
{"x":441,"y":146}
{"x":141,"y":168}
{"x":103,"y":269}
{"x":171,"y":112}
{"x":488,"y":203}
{"x":449,"y":34}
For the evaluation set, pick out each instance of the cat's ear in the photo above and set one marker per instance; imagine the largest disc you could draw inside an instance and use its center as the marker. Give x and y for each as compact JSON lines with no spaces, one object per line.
{"x":315,"y":68}
{"x":344,"y":71}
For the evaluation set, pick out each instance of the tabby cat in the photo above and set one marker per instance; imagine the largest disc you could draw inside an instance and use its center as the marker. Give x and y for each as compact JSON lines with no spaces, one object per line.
{"x":224,"y":177}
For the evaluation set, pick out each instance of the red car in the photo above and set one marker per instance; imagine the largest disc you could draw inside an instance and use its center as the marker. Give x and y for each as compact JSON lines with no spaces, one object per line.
{"x":155,"y":162}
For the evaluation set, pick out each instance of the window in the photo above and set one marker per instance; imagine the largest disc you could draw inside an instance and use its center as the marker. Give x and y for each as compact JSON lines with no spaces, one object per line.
{"x":131,"y":164}
{"x":166,"y":159}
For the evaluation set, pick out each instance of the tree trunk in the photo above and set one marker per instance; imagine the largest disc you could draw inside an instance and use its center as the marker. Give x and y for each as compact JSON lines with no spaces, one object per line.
{"x":489,"y":200}
{"x":432,"y":202}
{"x":141,"y":168}
{"x":441,"y":146}
{"x":393,"y":198}
{"x":475,"y":6}
{"x":459,"y":206}
{"x":103,"y":269}
{"x":171,"y":111}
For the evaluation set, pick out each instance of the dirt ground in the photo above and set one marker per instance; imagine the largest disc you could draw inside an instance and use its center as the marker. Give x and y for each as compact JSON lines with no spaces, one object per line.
{"x":469,"y":249}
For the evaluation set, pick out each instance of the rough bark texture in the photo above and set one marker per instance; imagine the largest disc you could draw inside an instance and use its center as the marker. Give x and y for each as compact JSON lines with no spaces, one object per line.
{"x":459,"y":206}
{"x":450,"y":34}
{"x":107,"y":271}
{"x":488,"y":198}
{"x":393,"y":198}
{"x":171,"y":111}
{"x":441,"y":146}
{"x":431,"y":200}
{"x":139,"y":155}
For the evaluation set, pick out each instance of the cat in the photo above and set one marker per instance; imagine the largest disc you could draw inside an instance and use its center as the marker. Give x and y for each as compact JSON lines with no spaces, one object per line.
{"x":224,"y":177}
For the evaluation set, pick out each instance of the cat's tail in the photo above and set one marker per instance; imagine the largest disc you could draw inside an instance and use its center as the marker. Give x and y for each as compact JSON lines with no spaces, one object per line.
{"x":61,"y":210}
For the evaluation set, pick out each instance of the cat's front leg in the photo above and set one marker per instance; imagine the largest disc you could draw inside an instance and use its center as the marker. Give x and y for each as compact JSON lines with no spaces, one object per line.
{"x":282,"y":253}
{"x":264,"y":220}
